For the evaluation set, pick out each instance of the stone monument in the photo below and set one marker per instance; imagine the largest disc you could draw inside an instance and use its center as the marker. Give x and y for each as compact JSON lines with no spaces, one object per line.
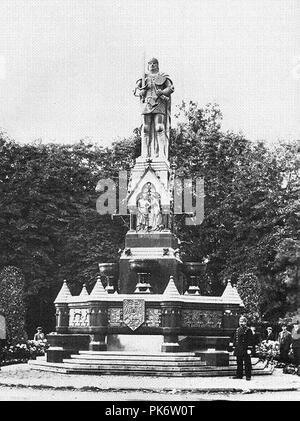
{"x":146,"y":292}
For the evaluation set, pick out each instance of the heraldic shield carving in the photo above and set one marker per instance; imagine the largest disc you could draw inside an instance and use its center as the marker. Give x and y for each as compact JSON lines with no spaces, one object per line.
{"x":133,"y":313}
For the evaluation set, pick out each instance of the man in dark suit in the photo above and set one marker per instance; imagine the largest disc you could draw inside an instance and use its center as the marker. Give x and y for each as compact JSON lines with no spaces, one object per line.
{"x":296,"y":342}
{"x":243,"y":343}
{"x":285,"y":340}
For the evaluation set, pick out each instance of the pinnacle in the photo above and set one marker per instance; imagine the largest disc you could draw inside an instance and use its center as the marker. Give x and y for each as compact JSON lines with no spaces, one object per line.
{"x":64,"y":294}
{"x":84,"y":292}
{"x":171,"y":290}
{"x":98,"y":292}
{"x":231,"y":295}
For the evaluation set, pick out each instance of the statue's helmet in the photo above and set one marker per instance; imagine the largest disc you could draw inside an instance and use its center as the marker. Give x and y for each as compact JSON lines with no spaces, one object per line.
{"x":243,"y":319}
{"x":153,"y":60}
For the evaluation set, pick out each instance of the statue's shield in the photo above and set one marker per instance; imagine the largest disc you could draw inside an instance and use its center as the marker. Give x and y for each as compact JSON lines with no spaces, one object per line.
{"x":133,"y":313}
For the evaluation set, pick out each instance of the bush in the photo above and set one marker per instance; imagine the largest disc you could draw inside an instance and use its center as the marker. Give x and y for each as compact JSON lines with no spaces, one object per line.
{"x":22,"y":352}
{"x":12,"y":303}
{"x":268,"y":351}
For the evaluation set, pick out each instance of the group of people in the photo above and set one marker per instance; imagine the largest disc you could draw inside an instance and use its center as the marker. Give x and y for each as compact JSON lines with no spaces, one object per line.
{"x":287,"y":342}
{"x":246,"y":339}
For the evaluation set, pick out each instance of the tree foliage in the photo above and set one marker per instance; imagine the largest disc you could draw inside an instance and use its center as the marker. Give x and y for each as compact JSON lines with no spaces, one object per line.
{"x":251,"y":222}
{"x":50,"y":230}
{"x":12,"y":303}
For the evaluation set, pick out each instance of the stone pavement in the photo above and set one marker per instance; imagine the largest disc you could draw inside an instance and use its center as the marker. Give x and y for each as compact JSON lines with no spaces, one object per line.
{"x":22,"y":375}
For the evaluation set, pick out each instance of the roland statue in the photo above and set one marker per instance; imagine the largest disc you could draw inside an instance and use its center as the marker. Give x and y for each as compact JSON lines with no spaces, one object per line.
{"x":155,"y":89}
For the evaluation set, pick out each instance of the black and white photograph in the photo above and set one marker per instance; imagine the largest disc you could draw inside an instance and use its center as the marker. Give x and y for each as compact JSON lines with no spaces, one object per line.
{"x":149,"y":203}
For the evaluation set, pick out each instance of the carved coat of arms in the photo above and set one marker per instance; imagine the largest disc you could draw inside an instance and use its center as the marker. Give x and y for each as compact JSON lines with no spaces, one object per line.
{"x":133,"y":313}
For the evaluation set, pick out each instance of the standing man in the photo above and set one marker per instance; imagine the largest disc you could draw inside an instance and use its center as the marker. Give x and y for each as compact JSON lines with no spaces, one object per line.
{"x":296,"y":342}
{"x":256,"y":340}
{"x":243,"y":343}
{"x":285,"y":340}
{"x":154,"y":90}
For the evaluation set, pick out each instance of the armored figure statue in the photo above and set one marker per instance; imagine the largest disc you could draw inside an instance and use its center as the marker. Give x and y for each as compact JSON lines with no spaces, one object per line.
{"x":154,"y":90}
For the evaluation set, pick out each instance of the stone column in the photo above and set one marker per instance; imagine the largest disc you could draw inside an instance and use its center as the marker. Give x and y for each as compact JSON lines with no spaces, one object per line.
{"x":98,"y":326}
{"x":171,"y":314}
{"x":62,"y":318}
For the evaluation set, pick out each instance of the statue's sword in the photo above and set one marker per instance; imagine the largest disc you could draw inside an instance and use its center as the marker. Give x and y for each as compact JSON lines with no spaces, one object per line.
{"x":143,"y":75}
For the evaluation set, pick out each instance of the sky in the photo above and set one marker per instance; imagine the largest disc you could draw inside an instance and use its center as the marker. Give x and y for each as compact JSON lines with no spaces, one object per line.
{"x":68,"y":67}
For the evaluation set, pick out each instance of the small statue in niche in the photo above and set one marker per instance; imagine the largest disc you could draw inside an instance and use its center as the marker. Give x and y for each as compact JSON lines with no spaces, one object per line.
{"x":149,"y":216}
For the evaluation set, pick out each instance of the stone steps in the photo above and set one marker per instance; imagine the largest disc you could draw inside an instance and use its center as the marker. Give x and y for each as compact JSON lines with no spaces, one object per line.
{"x":204,"y":372}
{"x":165,"y":355}
{"x":141,"y":364}
{"x":166,"y":364}
{"x":131,"y":367}
{"x":163,"y":358}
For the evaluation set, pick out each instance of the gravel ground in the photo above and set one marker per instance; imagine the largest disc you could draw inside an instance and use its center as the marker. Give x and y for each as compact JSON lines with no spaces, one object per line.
{"x":23,"y":375}
{"x":34,"y":394}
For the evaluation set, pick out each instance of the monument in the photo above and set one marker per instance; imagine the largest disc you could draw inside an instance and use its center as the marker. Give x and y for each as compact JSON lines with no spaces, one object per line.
{"x":151,"y":291}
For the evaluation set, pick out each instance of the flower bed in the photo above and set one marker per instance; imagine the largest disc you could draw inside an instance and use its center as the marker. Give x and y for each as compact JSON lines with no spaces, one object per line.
{"x":268,"y":351}
{"x":21,"y":353}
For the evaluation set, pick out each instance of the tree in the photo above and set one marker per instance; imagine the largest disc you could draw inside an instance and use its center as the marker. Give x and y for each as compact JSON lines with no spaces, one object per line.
{"x":251,"y":205}
{"x":49,"y":227}
{"x":249,"y":288}
{"x":12,"y":303}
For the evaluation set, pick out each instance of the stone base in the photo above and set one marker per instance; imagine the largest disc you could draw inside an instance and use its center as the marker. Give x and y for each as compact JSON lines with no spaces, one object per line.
{"x":58,"y":354}
{"x":135,"y":343}
{"x":164,"y":239}
{"x":170,"y":347}
{"x":97,"y":346}
{"x":63,"y":345}
{"x":199,"y":343}
{"x":213,"y":357}
{"x":160,"y":275}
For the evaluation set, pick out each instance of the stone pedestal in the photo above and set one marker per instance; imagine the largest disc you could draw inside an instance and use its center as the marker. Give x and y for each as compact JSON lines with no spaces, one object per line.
{"x":196,"y":343}
{"x":159,"y":246}
{"x":214,"y":357}
{"x":212,"y":349}
{"x":170,"y":344}
{"x":63,"y":345}
{"x":98,"y":343}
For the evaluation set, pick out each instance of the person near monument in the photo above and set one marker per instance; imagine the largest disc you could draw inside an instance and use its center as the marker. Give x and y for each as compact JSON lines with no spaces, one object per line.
{"x":39,"y":335}
{"x":243,"y":343}
{"x":296,"y":343}
{"x":285,"y":340}
{"x":154,"y":90}
{"x":270,"y":335}
{"x":256,"y":340}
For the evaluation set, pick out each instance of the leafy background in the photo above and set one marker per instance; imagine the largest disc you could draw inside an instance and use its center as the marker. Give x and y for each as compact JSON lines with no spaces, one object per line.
{"x":50,"y":230}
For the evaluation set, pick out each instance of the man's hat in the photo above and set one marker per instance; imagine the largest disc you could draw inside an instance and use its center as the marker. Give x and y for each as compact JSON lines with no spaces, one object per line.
{"x":243,"y":318}
{"x":153,"y":60}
